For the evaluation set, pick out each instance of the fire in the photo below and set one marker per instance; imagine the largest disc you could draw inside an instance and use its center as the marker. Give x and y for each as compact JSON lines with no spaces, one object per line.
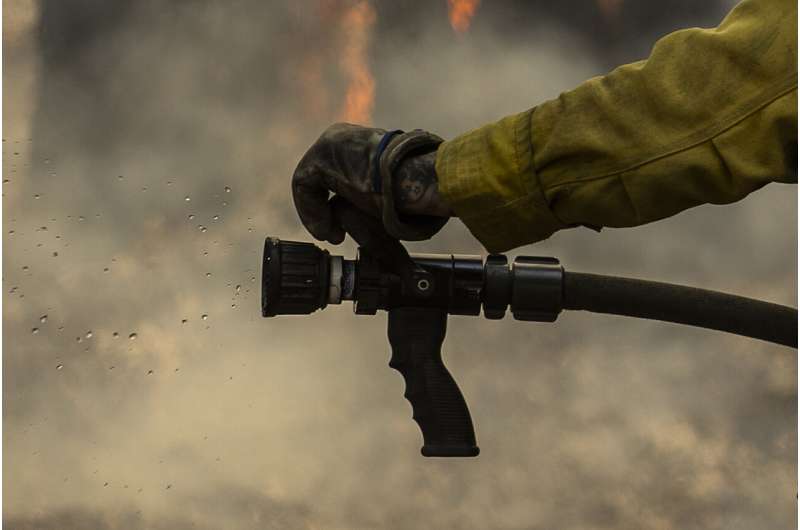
{"x":356,"y":23}
{"x":356,"y":26}
{"x":461,"y":13}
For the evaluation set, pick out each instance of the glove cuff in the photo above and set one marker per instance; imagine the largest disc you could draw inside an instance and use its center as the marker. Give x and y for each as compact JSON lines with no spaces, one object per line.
{"x":409,"y":228}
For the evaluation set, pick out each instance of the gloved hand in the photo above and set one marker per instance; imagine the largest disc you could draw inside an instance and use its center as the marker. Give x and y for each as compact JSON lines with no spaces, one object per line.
{"x":388,"y":176}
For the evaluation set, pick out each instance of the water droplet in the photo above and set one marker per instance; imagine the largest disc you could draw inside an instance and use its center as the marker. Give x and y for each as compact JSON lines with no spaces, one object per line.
{"x":252,"y":278}
{"x":233,"y":306}
{"x":43,"y":319}
{"x":88,"y":334}
{"x":187,"y":198}
{"x":25,"y":267}
{"x":216,"y":218}
{"x":202,"y":228}
{"x":10,"y":231}
{"x":204,"y":317}
{"x":105,"y":269}
{"x":81,"y":218}
{"x":169,"y":486}
{"x":227,"y":189}
{"x":55,"y":254}
{"x":238,"y":288}
{"x":59,"y":366}
{"x":208,"y":275}
{"x":34,"y":331}
{"x":224,"y":203}
{"x":191,"y":216}
{"x":132,"y":336}
{"x":149,"y":372}
{"x":36,"y":196}
{"x":120,"y":177}
{"x":115,"y":335}
{"x":79,"y":339}
{"x":184,"y":321}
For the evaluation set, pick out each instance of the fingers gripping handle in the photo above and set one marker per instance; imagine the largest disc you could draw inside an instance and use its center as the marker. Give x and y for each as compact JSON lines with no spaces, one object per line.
{"x":416,"y":336}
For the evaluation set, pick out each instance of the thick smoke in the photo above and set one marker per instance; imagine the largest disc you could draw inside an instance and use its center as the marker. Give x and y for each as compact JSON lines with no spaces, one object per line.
{"x":148,"y":148}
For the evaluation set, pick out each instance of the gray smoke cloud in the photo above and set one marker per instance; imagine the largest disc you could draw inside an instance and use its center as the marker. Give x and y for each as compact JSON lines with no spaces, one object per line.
{"x":148,"y":148}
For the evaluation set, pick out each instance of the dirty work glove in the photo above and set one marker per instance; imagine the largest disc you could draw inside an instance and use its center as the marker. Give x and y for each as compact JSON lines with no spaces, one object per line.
{"x":389,"y":176}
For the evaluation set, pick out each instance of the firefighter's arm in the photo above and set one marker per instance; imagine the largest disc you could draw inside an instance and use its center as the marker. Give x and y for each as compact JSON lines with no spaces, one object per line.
{"x":709,"y":117}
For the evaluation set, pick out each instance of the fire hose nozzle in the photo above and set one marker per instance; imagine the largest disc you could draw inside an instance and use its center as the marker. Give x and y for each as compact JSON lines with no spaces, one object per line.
{"x":300,"y":278}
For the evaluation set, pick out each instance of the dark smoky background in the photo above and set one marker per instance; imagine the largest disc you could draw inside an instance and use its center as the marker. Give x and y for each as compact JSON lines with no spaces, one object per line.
{"x":147,"y":151}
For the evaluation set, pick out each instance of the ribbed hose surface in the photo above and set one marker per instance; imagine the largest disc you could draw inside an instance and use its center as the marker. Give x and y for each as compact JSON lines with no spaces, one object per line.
{"x":680,"y":304}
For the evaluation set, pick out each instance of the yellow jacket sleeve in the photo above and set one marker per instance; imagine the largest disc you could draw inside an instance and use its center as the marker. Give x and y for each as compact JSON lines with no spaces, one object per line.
{"x":709,"y":117}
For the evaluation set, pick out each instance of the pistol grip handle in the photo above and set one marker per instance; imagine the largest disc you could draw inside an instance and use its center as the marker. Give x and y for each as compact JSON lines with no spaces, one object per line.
{"x":416,"y":336}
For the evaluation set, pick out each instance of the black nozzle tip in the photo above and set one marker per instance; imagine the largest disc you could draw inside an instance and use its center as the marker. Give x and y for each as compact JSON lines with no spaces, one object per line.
{"x":294,"y":278}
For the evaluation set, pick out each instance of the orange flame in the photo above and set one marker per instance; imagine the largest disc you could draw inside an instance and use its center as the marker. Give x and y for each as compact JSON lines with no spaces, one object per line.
{"x":356,"y":26}
{"x":461,"y":13}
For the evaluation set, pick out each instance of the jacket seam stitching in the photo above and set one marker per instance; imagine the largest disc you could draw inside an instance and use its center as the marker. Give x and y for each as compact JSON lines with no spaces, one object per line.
{"x":706,"y":135}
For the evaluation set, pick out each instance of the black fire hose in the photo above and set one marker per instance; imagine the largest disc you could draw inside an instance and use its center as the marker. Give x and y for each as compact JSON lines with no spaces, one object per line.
{"x":680,"y":304}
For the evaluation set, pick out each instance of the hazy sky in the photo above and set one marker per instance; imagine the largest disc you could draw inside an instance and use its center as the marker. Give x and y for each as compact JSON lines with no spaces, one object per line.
{"x":148,"y":148}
